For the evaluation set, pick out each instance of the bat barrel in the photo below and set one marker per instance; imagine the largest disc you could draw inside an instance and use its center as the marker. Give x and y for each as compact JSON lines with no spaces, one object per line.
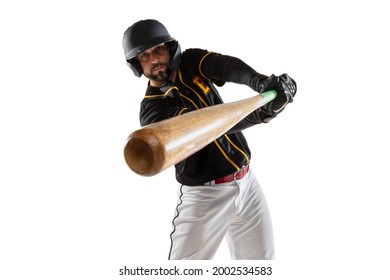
{"x":144,"y":153}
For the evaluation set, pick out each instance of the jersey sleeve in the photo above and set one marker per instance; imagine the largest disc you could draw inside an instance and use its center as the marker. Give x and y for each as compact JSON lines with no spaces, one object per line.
{"x":192,"y":61}
{"x":224,"y":68}
{"x":219,"y":69}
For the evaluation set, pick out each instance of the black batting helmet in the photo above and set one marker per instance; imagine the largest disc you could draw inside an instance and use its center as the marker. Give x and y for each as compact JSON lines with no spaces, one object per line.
{"x":146,"y":34}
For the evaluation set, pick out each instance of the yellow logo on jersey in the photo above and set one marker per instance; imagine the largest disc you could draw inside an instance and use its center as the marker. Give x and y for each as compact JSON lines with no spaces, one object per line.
{"x":201,"y":84}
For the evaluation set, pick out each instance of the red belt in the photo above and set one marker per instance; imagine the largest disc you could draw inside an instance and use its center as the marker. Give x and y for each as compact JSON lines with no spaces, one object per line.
{"x":235,"y":176}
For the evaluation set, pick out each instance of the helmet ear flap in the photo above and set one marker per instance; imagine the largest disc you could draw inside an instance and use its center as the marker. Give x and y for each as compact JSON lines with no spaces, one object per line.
{"x":175,"y":52}
{"x":135,"y":66}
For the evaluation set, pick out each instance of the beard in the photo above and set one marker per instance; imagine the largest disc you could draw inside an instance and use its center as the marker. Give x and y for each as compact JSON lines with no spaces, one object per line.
{"x":161,"y":75}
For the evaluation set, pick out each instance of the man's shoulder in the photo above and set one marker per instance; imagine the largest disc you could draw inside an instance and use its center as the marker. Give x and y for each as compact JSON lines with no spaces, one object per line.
{"x":194,"y":51}
{"x":193,"y":56}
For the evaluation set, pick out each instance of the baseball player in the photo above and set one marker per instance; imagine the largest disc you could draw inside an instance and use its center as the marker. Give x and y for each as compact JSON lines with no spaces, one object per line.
{"x":218,"y":195}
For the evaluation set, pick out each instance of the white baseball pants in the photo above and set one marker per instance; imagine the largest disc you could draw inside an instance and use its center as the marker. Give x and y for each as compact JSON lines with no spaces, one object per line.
{"x":206,"y":214}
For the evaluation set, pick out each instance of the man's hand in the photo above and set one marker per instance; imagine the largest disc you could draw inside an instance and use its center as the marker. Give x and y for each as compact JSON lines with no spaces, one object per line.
{"x":286,"y":89}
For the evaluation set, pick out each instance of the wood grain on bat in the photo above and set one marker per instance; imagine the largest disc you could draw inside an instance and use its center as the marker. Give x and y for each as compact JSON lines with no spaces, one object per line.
{"x":155,"y":147}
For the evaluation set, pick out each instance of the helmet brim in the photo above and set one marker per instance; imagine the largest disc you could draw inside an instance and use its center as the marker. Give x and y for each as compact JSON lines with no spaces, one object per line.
{"x":140,"y":49}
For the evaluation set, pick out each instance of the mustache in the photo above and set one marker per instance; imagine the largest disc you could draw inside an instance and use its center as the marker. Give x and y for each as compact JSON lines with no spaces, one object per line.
{"x":157,"y":65}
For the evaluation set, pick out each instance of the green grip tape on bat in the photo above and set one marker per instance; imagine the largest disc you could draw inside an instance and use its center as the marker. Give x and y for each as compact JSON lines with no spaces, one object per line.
{"x":269,"y":95}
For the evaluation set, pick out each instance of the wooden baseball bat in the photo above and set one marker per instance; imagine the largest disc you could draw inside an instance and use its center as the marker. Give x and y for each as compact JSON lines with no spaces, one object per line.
{"x":157,"y":146}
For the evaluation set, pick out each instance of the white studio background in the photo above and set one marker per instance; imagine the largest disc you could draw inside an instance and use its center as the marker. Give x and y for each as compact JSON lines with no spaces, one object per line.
{"x":70,"y":208}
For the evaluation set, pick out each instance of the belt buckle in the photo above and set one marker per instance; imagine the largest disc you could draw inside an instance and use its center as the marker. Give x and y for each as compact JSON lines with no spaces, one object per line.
{"x":237,"y":172}
{"x":235,"y":175}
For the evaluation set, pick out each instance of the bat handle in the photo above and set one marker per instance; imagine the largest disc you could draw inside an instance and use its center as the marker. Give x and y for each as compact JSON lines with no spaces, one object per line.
{"x":269,"y":95}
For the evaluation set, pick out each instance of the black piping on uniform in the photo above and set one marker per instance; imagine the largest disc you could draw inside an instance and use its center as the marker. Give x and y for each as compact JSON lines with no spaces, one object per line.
{"x":173,"y":221}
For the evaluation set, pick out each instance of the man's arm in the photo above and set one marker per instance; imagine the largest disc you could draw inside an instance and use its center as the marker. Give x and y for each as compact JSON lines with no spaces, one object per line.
{"x":231,"y":69}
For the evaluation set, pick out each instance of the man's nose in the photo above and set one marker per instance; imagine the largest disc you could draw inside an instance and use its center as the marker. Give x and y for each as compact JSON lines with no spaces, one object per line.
{"x":153,"y":57}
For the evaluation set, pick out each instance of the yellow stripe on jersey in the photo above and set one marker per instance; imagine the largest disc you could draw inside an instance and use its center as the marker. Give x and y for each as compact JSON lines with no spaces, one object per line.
{"x":238,"y":149}
{"x":226,"y":156}
{"x":200,"y":98}
{"x":160,"y":95}
{"x":200,"y":65}
{"x":181,"y":111}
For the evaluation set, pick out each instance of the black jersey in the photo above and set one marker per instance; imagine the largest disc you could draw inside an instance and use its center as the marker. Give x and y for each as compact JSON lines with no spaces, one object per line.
{"x":193,"y":89}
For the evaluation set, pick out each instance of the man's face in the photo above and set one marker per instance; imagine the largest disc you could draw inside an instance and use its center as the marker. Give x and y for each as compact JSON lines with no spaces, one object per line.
{"x":154,"y":62}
